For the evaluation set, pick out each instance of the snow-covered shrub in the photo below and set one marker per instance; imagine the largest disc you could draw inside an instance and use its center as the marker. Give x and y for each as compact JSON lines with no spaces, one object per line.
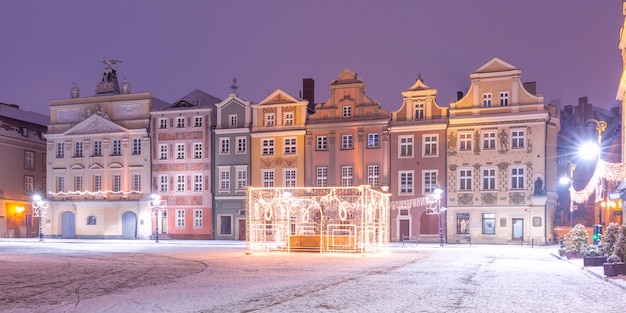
{"x":613,"y":259}
{"x":593,"y":250}
{"x":577,"y":239}
{"x":620,"y":244}
{"x":609,"y":238}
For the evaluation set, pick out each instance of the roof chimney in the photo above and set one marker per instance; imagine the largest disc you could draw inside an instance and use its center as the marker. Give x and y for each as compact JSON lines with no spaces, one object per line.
{"x":308,"y":93}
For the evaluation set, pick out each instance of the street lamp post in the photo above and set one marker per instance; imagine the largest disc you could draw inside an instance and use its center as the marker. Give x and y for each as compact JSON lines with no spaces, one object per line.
{"x":40,"y":209}
{"x":438,"y":194}
{"x":157,"y":205}
{"x":600,"y":128}
{"x":572,"y":167}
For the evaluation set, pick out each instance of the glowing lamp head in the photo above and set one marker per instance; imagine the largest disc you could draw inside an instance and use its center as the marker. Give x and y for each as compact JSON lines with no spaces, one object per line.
{"x":589,"y":150}
{"x":564,"y":180}
{"x":37,"y":198}
{"x":438,"y":191}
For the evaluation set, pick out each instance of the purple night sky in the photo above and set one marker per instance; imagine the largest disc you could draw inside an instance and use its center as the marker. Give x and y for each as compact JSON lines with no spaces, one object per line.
{"x":170,"y":48}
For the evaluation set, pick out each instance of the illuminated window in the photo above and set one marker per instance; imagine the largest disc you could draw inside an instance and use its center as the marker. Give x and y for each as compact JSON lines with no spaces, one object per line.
{"x":489,"y":140}
{"x":405,"y":182}
{"x":489,"y":178}
{"x":465,"y":141}
{"x":462,"y":223}
{"x":405,"y":146}
{"x":465,"y":179}
{"x":489,"y":223}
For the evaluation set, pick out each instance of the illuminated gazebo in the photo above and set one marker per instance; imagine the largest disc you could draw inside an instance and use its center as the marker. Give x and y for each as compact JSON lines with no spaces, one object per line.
{"x":317,"y":219}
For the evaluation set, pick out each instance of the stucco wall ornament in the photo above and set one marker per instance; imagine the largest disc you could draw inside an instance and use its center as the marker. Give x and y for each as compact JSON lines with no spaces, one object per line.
{"x":516,"y":197}
{"x":452,"y":144}
{"x":503,"y":137}
{"x":488,"y":198}
{"x":466,"y":199}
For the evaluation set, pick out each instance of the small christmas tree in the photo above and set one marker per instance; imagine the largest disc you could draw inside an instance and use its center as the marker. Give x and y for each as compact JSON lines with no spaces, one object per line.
{"x":577,"y":239}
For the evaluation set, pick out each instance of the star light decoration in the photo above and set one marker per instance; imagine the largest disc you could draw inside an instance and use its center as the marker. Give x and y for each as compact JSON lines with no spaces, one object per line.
{"x":612,"y":172}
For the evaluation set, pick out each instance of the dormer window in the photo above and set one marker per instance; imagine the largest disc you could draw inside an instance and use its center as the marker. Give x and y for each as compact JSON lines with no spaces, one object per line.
{"x":504,"y":98}
{"x":486,"y":100}
{"x":346,"y":111}
{"x":419,"y":111}
{"x":270,"y":120}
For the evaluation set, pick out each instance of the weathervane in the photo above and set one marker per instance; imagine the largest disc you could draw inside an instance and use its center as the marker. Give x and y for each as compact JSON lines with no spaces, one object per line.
{"x":234,"y":86}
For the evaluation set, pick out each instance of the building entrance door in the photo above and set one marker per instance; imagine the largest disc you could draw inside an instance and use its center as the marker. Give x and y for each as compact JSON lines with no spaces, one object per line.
{"x":241,"y":230}
{"x":68,"y":225}
{"x":129,"y":225}
{"x":405,"y":229}
{"x":518,"y":229}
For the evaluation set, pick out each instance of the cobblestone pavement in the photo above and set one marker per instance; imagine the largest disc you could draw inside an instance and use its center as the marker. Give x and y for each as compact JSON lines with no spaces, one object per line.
{"x":217,"y":276}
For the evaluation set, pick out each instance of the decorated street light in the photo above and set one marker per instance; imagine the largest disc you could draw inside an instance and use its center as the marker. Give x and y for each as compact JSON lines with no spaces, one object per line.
{"x":40,"y":209}
{"x":438,"y":195}
{"x":157,"y":205}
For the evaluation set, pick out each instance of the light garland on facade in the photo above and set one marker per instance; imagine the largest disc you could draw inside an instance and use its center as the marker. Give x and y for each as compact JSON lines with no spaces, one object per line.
{"x":93,"y":193}
{"x":612,"y":172}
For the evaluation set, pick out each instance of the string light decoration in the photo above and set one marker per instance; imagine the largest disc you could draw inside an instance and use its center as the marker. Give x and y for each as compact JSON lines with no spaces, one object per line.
{"x":612,"y":172}
{"x":320,"y":219}
{"x":100,"y":194}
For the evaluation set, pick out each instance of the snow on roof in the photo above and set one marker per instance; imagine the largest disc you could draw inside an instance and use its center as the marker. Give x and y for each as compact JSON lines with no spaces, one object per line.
{"x":13,"y":111}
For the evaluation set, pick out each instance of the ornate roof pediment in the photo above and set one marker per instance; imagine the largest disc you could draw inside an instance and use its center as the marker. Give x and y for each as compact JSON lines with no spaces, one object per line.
{"x":495,"y":65}
{"x":95,"y":124}
{"x":278,"y":97}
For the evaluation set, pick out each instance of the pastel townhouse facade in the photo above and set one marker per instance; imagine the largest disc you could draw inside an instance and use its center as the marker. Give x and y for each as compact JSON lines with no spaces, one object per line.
{"x":231,"y":159}
{"x":23,"y":173}
{"x":182,"y":154}
{"x":277,"y":141}
{"x":98,"y":166}
{"x":501,"y":158}
{"x":347,"y":138}
{"x":417,"y":164}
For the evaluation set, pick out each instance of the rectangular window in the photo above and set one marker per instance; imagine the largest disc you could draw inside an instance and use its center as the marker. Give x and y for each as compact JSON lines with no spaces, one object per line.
{"x":465,"y":179}
{"x":163,"y":183}
{"x":180,"y":151}
{"x":489,"y":223}
{"x":136,"y":146}
{"x":224,"y":145}
{"x":197,"y":218}
{"x":288,"y":119}
{"x":29,"y":160}
{"x":504,"y":98}
{"x":163,"y":123}
{"x":232,"y":120}
{"x":517,"y":178}
{"x":180,"y":218}
{"x":489,"y":140}
{"x":373,"y":140}
{"x":197,"y":121}
{"x":405,"y":182}
{"x":346,"y":111}
{"x":117,"y":147}
{"x":197,"y":182}
{"x":197,"y":151}
{"x":78,"y":149}
{"x":489,"y":179}
{"x":268,"y":146}
{"x":270,"y":120}
{"x":97,"y":183}
{"x":225,"y":225}
{"x":60,"y":150}
{"x":321,"y":143}
{"x":242,"y":144}
{"x":289,"y":177}
{"x":224,"y":179}
{"x":97,"y":148}
{"x":163,"y":152}
{"x":242,"y":179}
{"x":406,"y":146}
{"x":78,"y":183}
{"x":419,"y":111}
{"x":430,"y":181}
{"x":290,"y":146}
{"x":430,"y":145}
{"x":373,"y":175}
{"x":117,"y":183}
{"x":346,"y":176}
{"x":517,"y":139}
{"x":486,"y":100}
{"x":346,"y":142}
{"x":465,"y":141}
{"x":29,"y":184}
{"x":322,"y":176}
{"x":60,"y":184}
{"x":462,"y":223}
{"x":137,"y":182}
{"x":268,"y":178}
{"x":180,"y":183}
{"x":180,"y":122}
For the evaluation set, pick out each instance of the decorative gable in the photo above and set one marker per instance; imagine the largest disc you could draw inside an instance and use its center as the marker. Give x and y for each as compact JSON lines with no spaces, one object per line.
{"x":95,"y":124}
{"x":278,"y":97}
{"x":495,"y":65}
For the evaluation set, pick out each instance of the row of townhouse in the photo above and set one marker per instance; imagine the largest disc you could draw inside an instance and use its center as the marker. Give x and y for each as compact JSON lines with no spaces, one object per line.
{"x":493,"y":152}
